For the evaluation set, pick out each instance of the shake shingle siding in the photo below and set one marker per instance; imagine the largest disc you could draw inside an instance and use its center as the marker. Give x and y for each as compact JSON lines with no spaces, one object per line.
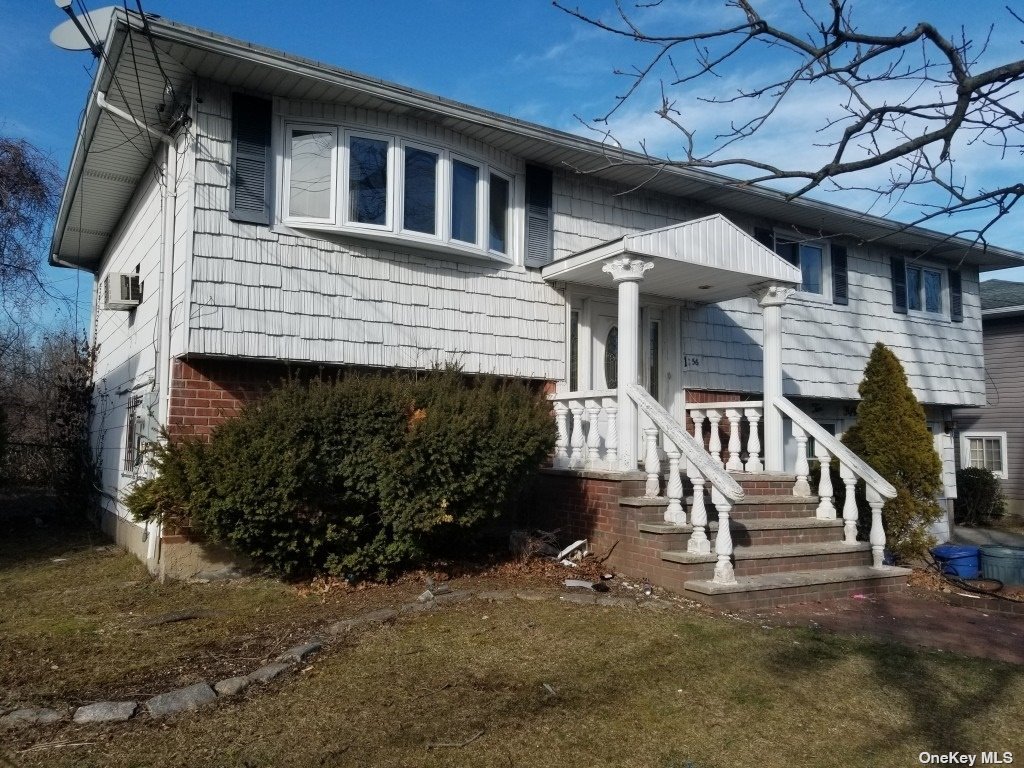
{"x":263,"y":294}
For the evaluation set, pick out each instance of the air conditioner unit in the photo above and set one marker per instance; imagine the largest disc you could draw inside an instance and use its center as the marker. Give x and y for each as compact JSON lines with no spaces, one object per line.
{"x":122,"y":291}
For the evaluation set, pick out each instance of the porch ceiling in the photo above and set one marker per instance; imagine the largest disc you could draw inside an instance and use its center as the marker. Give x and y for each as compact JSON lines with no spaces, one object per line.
{"x":706,"y":260}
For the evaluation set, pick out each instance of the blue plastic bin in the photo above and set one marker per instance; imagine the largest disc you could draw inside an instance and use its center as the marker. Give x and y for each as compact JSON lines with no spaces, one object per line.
{"x":958,"y":560}
{"x":1003,"y":563}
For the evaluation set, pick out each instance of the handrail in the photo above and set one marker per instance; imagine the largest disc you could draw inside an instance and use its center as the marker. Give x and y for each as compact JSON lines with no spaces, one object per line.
{"x":857,"y":465}
{"x":586,"y":394}
{"x":691,"y":449}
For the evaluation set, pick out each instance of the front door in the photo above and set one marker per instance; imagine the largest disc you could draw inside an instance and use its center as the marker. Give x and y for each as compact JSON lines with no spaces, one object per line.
{"x":604,"y":329}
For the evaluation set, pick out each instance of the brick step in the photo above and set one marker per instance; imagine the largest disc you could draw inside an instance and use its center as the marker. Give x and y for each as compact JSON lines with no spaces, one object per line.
{"x":786,"y":530}
{"x":783,"y":558}
{"x":776,"y":589}
{"x":651,"y":509}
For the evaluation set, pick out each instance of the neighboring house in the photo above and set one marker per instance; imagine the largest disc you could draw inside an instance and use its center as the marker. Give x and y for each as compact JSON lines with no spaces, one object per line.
{"x":244,"y":210}
{"x":993,"y":436}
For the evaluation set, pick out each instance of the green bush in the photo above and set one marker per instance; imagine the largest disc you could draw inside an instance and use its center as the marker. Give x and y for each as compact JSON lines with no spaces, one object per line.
{"x":892,"y":436}
{"x":361,"y":476}
{"x":979,"y":497}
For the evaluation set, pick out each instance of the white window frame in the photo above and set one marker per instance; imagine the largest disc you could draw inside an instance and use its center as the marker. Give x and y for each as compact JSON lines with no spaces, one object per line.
{"x":439,"y":195}
{"x":509,"y":213}
{"x":344,"y":199}
{"x":825,"y":296}
{"x":965,"y":450}
{"x":286,"y":185}
{"x":394,"y":229}
{"x":943,"y":289}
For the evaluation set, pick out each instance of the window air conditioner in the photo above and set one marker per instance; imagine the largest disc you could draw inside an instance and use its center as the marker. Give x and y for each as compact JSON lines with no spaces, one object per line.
{"x":122,"y":291}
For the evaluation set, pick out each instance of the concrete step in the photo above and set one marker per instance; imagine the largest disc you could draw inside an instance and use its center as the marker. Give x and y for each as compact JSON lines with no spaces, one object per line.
{"x":782,"y":558}
{"x":775,"y":589}
{"x":758,"y":531}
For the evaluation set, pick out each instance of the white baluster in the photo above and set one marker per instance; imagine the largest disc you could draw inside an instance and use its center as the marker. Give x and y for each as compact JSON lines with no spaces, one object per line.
{"x":611,"y":440}
{"x":877,"y":537}
{"x":802,"y":488}
{"x":850,"y":513}
{"x":699,"y":543}
{"x":753,"y":442}
{"x":562,"y":440}
{"x":674,"y":512}
{"x":576,"y":439}
{"x":652,"y":462}
{"x":593,"y":433}
{"x":715,"y":446}
{"x":735,"y":417}
{"x":698,"y":426}
{"x":724,"y":573}
{"x":826,"y":509}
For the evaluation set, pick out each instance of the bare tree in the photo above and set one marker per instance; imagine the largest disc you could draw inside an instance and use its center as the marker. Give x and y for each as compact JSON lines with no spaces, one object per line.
{"x":906,"y":102}
{"x":29,"y":184}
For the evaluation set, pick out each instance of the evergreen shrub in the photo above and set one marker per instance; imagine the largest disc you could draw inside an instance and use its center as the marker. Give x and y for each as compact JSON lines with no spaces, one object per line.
{"x":358,"y":477}
{"x":980,"y":498}
{"x":892,"y":436}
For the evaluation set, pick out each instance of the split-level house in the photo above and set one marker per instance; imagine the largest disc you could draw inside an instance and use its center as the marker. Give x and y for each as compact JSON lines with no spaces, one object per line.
{"x":245,"y":210}
{"x":993,"y":437}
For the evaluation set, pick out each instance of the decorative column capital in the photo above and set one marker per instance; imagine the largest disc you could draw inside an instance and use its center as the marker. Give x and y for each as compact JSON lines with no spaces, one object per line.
{"x":627,"y":269}
{"x":774,"y":295}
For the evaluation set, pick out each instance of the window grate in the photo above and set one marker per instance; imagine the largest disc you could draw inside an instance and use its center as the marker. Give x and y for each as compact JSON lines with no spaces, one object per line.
{"x":133,"y":435}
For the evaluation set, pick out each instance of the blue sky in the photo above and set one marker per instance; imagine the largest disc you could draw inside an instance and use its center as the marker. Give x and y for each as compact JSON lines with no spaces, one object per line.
{"x":523,"y":58}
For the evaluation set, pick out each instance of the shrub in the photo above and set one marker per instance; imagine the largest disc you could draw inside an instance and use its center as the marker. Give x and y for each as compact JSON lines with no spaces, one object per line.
{"x":892,"y":436}
{"x":360,"y":476}
{"x":979,"y":497}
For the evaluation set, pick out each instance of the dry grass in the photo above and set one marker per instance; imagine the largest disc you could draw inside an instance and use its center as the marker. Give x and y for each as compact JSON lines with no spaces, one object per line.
{"x":631,"y":687}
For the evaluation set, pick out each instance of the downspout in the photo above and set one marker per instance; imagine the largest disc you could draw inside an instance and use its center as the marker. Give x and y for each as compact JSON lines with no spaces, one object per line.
{"x":163,"y":362}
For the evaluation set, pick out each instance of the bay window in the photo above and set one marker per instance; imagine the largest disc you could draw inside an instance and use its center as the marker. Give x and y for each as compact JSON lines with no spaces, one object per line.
{"x":387,"y":186}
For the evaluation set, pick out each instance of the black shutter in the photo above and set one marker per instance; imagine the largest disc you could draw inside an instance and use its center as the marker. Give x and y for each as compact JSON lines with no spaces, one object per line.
{"x":840,"y":281}
{"x":250,"y":159}
{"x":765,"y":237}
{"x":539,"y":229}
{"x":899,"y":285}
{"x":956,"y":297}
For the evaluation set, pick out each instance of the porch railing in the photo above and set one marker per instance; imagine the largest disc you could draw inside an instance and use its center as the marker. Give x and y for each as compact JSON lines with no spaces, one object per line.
{"x":735,"y":414}
{"x":701,"y":469}
{"x":587,"y":434}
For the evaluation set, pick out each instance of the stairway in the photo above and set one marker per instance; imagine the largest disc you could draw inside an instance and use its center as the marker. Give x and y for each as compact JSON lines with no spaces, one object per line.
{"x":782,"y":553}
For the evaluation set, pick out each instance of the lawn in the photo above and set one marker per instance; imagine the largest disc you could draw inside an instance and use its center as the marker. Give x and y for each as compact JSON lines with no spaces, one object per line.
{"x":479,"y":683}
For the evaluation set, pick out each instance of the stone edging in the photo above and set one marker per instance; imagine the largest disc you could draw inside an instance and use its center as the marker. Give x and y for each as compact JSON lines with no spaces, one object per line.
{"x":193,"y":697}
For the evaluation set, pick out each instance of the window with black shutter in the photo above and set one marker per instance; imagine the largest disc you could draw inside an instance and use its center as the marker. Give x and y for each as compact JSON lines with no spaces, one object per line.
{"x":840,"y":280}
{"x":250,"y":159}
{"x":899,"y":285}
{"x":956,"y":296}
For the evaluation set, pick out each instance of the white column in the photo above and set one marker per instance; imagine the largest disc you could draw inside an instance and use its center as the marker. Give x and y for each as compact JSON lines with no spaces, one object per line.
{"x":699,"y":542}
{"x":674,"y":512}
{"x":628,"y":273}
{"x":593,"y":409}
{"x":715,"y":441}
{"x":826,"y":509}
{"x":652,"y":462}
{"x":771,"y":301}
{"x":802,"y":488}
{"x":611,"y":441}
{"x":576,"y":442}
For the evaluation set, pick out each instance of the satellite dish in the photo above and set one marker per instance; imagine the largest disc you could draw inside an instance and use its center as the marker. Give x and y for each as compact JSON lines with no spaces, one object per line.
{"x":70,"y":37}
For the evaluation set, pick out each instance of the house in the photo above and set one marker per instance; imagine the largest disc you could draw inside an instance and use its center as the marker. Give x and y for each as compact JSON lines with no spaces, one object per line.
{"x":992,"y":437}
{"x":245,"y":210}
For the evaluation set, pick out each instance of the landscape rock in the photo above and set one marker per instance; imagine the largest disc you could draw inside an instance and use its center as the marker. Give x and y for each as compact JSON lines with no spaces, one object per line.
{"x":373,"y":617}
{"x":533,"y":597}
{"x":417,"y":607}
{"x":458,"y":596}
{"x":582,"y":598}
{"x":105,"y":712}
{"x":268,"y":672}
{"x":20,"y":718}
{"x":231,"y":686}
{"x":181,"y":700}
{"x":496,"y":594}
{"x":297,"y":654}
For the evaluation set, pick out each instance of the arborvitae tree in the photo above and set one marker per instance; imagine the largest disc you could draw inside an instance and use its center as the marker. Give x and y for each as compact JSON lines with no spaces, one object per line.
{"x":892,"y":436}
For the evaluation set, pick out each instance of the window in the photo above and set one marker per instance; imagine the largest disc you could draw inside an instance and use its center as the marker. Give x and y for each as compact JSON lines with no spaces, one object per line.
{"x":386,"y":186}
{"x":133,"y":435}
{"x":311,"y":176}
{"x":984,"y":449}
{"x":420,"y":193}
{"x":611,"y":358}
{"x":368,"y":181}
{"x":464,"y":180}
{"x":926,"y":289}
{"x":574,"y":350}
{"x":822,"y":264}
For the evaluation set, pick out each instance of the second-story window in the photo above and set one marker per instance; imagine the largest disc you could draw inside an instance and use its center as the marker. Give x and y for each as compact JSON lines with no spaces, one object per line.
{"x":924,"y":289}
{"x":384,"y":185}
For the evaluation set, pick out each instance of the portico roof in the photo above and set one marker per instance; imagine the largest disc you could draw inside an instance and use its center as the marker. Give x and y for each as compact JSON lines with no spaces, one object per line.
{"x":706,"y":260}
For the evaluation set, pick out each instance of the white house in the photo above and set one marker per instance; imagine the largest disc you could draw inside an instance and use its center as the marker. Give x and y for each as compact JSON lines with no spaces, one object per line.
{"x":244,"y":209}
